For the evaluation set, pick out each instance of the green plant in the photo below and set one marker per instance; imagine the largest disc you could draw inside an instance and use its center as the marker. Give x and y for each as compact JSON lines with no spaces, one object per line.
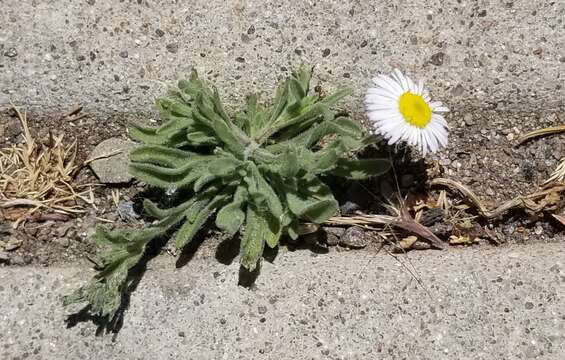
{"x":260,"y":173}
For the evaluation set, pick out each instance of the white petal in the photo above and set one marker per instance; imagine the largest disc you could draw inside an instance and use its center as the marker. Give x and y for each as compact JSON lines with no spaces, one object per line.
{"x":390,"y":84}
{"x":371,"y":107}
{"x":420,"y":87}
{"x":382,"y":92}
{"x":411,"y":85}
{"x":439,"y":119}
{"x":424,"y":142}
{"x":437,"y":106}
{"x":440,"y":132}
{"x":412,"y":136}
{"x":393,"y":123}
{"x":440,"y":109}
{"x":433,"y":135}
{"x":400,"y":77}
{"x":381,"y":113}
{"x":396,"y":135}
{"x":431,"y":139}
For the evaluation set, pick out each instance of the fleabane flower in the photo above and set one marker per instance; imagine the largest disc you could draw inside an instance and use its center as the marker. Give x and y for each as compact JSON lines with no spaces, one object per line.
{"x":401,"y":110}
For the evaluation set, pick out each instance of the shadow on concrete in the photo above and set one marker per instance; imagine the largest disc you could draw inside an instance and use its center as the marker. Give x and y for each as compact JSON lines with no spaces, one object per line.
{"x":190,"y":249}
{"x":228,"y":250}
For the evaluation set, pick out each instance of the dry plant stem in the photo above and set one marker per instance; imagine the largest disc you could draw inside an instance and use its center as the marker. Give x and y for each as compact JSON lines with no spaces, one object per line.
{"x":20,"y":202}
{"x":526,"y":202}
{"x":404,"y":221}
{"x":541,"y":132}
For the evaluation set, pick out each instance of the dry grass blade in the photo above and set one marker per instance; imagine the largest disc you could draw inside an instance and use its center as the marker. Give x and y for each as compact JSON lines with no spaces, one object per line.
{"x":40,"y":176}
{"x":545,"y":198}
{"x":541,"y":132}
{"x":560,"y":218}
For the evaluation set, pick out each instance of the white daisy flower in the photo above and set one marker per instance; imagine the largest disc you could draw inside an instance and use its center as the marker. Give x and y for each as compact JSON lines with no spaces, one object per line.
{"x":402,"y":110}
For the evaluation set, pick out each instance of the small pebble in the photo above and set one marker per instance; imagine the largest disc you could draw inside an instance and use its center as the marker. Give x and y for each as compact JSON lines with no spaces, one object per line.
{"x":354,"y":237}
{"x":173,"y":48}
{"x":11,"y":52}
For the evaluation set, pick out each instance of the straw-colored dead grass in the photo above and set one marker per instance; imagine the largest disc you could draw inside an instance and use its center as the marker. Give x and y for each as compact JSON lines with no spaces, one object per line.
{"x":38,"y":177}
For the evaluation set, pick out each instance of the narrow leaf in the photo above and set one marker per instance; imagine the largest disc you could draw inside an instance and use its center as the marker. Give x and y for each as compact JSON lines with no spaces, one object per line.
{"x":230,"y":218}
{"x":253,"y":241}
{"x":361,"y":169}
{"x":196,"y":217}
{"x":161,"y":155}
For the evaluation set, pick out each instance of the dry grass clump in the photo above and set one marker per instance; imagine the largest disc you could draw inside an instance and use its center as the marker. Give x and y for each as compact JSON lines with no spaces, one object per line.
{"x":38,"y":177}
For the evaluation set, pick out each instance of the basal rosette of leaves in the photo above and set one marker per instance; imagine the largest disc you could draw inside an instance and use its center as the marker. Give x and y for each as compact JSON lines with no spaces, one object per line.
{"x":260,"y":173}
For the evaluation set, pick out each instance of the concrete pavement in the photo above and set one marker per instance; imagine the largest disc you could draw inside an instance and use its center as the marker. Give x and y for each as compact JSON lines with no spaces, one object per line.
{"x":477,"y":303}
{"x":117,"y":56}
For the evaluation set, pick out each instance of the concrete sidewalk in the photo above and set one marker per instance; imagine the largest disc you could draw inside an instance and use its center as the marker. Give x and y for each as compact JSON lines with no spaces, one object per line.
{"x":116,"y":56}
{"x":478,"y":303}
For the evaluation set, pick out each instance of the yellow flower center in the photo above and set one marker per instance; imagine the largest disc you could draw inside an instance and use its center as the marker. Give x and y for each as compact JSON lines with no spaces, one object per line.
{"x":415,"y":109}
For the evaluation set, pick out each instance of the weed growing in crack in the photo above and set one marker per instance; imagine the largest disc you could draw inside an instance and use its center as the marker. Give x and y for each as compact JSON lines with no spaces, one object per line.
{"x":260,"y":173}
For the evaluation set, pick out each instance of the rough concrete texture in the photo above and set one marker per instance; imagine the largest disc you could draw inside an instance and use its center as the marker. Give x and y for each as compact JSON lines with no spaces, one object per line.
{"x":115,"y":56}
{"x":462,"y":304}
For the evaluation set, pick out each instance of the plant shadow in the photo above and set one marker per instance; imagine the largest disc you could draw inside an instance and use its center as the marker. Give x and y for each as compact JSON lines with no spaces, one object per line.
{"x":407,"y":179}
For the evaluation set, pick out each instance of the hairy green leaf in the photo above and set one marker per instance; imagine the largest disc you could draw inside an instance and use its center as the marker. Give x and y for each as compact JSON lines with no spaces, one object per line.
{"x":196,"y":217}
{"x":361,"y":169}
{"x":311,"y":200}
{"x":165,"y":177}
{"x":154,"y":211}
{"x":230,"y":218}
{"x":161,"y":155}
{"x":253,"y":241}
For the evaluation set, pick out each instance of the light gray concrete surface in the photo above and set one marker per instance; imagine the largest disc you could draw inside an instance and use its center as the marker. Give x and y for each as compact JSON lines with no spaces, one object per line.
{"x":117,"y":56}
{"x":504,"y":303}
